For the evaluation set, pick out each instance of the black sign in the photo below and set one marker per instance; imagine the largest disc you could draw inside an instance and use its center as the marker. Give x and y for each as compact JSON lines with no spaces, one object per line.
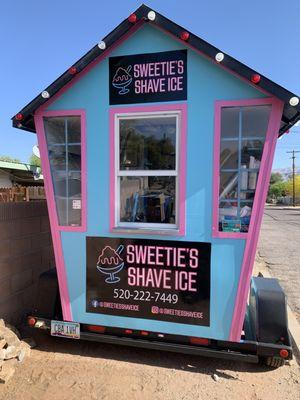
{"x":153,"y":279}
{"x":144,"y":78}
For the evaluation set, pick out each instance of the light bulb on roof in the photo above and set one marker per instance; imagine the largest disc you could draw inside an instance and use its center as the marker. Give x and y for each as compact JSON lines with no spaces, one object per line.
{"x":294,"y":101}
{"x":132,"y":18}
{"x":184,"y":36}
{"x":219,"y":57}
{"x":255,"y":78}
{"x":151,"y":15}
{"x":73,"y":70}
{"x":19,"y":117}
{"x":102,"y":45}
{"x":45,"y":94}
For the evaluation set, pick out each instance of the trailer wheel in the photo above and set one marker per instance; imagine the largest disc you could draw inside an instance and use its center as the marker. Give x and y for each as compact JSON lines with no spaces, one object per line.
{"x":273,"y":362}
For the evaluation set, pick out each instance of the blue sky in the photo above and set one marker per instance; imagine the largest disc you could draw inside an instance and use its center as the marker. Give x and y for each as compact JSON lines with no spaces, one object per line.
{"x":41,"y":39}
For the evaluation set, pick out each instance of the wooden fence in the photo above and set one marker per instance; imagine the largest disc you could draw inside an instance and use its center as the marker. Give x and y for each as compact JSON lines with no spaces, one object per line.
{"x":22,"y":193}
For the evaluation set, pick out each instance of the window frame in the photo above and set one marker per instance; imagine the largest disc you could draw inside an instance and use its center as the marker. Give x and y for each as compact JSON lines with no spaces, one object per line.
{"x":46,"y":167}
{"x":117,"y":114}
{"x":219,"y":104}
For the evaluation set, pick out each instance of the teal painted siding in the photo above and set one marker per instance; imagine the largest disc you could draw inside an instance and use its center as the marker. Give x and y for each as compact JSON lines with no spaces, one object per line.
{"x":206,"y":83}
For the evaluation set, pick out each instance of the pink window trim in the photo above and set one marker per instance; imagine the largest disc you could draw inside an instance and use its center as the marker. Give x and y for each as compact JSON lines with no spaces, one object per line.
{"x":47,"y":170}
{"x":182,"y":107}
{"x":55,"y":228}
{"x":216,"y":166}
{"x":255,"y":223}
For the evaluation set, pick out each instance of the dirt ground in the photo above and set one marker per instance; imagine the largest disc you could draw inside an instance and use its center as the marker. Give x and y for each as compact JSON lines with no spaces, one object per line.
{"x":64,"y":369}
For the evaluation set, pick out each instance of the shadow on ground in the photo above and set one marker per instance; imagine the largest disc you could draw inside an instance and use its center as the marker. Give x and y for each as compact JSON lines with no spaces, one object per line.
{"x":182,"y":362}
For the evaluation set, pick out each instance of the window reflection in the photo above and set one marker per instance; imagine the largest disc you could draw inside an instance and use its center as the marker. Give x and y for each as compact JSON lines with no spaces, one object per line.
{"x":148,"y":143}
{"x":63,"y":135}
{"x":243,"y":132}
{"x":148,"y":199}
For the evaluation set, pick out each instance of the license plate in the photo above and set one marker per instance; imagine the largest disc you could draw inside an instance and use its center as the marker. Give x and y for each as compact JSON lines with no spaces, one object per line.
{"x":65,"y":329}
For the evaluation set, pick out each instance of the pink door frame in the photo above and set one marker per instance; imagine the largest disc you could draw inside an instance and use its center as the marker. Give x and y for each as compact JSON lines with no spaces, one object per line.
{"x":258,"y":206}
{"x":54,"y":224}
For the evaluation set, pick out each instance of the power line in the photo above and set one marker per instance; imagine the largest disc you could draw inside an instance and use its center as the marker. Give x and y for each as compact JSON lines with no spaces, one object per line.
{"x":293,"y":166}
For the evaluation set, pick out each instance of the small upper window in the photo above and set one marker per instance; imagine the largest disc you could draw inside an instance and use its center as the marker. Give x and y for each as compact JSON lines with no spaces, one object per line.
{"x":243,"y":134}
{"x":63,"y":136}
{"x":147,"y":170}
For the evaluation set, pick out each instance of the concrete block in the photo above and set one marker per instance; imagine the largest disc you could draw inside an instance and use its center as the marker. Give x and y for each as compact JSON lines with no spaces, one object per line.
{"x":41,"y":240}
{"x":6,"y":230}
{"x":45,"y":224}
{"x":11,"y":309}
{"x":25,"y":252}
{"x":5,"y":289}
{"x":20,"y":246}
{"x":30,"y":226}
{"x":28,"y":296}
{"x":4,"y":248}
{"x":21,"y":280}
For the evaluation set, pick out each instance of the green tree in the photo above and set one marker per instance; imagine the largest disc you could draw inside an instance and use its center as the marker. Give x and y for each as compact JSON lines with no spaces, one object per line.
{"x":9,"y":159}
{"x":289,"y":186}
{"x":277,"y":186}
{"x":277,"y":189}
{"x":276,"y":177}
{"x":34,"y":160}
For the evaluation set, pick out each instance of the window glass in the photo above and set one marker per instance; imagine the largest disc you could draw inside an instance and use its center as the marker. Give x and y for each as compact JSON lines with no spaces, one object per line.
{"x":148,"y":143}
{"x":229,"y":185}
{"x":147,"y":177}
{"x":230,"y":122}
{"x":243,"y":132}
{"x":255,"y":121}
{"x":74,"y":131}
{"x":55,"y":131}
{"x":57,"y":157}
{"x":148,"y":199}
{"x":229,"y":154}
{"x":63,"y":136}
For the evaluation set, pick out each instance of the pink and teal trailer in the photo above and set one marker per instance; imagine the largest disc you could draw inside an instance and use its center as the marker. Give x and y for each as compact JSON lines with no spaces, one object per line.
{"x":156,"y":151}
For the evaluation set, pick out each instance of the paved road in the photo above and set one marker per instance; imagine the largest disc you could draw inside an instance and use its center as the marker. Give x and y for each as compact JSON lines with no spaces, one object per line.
{"x":279,"y":246}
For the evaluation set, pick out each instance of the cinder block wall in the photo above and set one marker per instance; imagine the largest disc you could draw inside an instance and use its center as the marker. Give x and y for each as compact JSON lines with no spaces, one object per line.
{"x":25,"y":252}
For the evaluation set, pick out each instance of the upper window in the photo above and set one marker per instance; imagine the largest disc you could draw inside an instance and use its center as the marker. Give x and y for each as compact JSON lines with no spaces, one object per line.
{"x":63,"y":137}
{"x":243,"y":134}
{"x":146,"y":177}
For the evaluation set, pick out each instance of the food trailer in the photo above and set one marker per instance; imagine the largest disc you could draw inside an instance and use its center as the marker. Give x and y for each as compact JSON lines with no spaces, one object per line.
{"x":156,"y":150}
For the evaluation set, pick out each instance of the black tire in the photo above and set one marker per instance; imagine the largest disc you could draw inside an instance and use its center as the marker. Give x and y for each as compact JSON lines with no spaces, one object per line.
{"x":273,"y":362}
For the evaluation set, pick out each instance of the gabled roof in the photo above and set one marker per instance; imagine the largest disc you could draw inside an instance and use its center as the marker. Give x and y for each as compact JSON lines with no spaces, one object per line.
{"x":291,"y":114}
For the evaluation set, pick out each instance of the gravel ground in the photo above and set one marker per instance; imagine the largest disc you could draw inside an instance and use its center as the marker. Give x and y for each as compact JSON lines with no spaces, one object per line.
{"x":61,"y":369}
{"x":279,"y":246}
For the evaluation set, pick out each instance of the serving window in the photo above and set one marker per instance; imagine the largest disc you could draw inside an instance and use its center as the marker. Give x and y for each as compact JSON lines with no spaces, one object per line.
{"x":63,"y":138}
{"x":242,"y":137}
{"x":147,"y":158}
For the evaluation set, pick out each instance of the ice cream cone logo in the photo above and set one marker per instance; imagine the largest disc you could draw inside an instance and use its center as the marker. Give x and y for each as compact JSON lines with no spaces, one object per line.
{"x":110,"y":263}
{"x":122,"y":79}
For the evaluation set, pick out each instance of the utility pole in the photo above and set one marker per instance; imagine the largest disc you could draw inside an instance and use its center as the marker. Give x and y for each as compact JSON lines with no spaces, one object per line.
{"x":293,"y":166}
